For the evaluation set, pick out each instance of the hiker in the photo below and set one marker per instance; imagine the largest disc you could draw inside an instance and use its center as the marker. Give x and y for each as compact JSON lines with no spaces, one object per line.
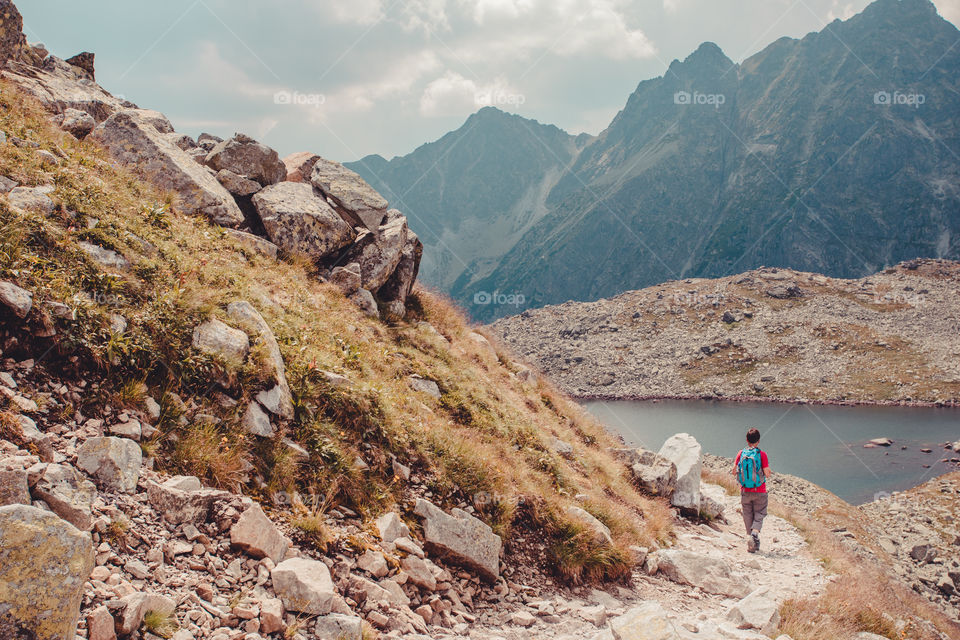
{"x":752,"y":469}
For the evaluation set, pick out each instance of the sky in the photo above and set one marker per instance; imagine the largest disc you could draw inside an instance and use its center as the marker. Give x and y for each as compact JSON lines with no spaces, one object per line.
{"x":347,"y":78}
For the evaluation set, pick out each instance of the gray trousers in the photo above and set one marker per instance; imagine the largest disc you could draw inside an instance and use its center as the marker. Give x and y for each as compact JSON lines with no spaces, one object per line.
{"x":754,"y":509}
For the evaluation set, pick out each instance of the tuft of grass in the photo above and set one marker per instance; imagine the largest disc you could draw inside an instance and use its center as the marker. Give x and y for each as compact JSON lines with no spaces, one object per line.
{"x":580,"y":559}
{"x":206,"y":451}
{"x":160,"y":624}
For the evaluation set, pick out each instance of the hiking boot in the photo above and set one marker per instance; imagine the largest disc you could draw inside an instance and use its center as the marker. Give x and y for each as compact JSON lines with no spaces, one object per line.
{"x":755,"y":538}
{"x":751,"y":544}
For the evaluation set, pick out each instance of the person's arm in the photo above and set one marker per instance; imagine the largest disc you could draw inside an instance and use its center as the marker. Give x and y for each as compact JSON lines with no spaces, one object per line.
{"x":736,"y":465}
{"x":766,"y":464}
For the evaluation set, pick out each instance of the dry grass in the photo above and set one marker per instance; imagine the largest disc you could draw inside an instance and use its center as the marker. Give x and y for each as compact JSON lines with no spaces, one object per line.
{"x":487,"y":435}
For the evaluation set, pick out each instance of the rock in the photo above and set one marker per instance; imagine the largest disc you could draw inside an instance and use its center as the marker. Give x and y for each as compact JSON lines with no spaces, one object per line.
{"x":399,"y":285}
{"x":12,"y":39}
{"x":13,"y":487}
{"x":300,"y":222}
{"x":304,"y":586}
{"x":47,"y":159}
{"x":245,"y":156}
{"x":654,"y":473}
{"x":300,"y":165}
{"x":711,"y":501}
{"x":129,"y":429}
{"x":218,"y":339}
{"x":68,"y":494}
{"x":647,"y":621}
{"x":256,"y":421}
{"x":423,"y":385}
{"x":392,"y":527}
{"x":347,"y":278}
{"x":881,"y":442}
{"x":360,"y":202}
{"x":560,"y":447}
{"x":107,"y":258}
{"x":133,"y":141}
{"x":367,"y":303}
{"x":483,"y":344}
{"x":182,"y":499}
{"x":708,"y":573}
{"x":17,"y":300}
{"x":182,"y":141}
{"x":208,"y":141}
{"x":6,"y":184}
{"x":461,"y":538}
{"x":523,"y":618}
{"x":260,"y":245}
{"x":100,"y":624}
{"x":756,"y":611}
{"x":155,"y":119}
{"x":271,"y":616}
{"x":278,"y":399}
{"x":419,"y":572}
{"x":237,"y":184}
{"x":923,"y":553}
{"x":600,"y":531}
{"x":44,"y":562}
{"x":114,"y":463}
{"x":338,"y":626}
{"x":137,"y":606}
{"x":77,"y":123}
{"x":84,"y":61}
{"x":378,"y":254}
{"x":256,"y":535}
{"x":373,"y":563}
{"x":784,"y":292}
{"x":61,"y":86}
{"x":684,"y":451}
{"x":35,"y":199}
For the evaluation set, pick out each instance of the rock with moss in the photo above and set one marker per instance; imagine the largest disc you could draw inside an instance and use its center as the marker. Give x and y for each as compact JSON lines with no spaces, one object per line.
{"x":246,"y":157}
{"x":67,"y":492}
{"x":44,"y":562}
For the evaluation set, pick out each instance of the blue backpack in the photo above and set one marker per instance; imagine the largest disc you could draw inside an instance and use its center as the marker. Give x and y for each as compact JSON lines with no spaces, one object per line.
{"x":750,"y":469}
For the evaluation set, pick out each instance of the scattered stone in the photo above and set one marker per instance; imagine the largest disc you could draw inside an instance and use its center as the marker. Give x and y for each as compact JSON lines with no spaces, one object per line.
{"x":31,"y":199}
{"x":106,"y":258}
{"x":304,"y":586}
{"x":114,"y":463}
{"x":373,"y":563}
{"x":338,"y":626}
{"x":218,"y":339}
{"x":182,"y":499}
{"x":756,"y":611}
{"x":523,"y":618}
{"x":392,"y":527}
{"x":708,"y":573}
{"x":137,"y":605}
{"x":100,"y":624}
{"x":261,"y":245}
{"x":419,"y":572}
{"x":255,"y":534}
{"x":17,"y":300}
{"x":461,"y":538}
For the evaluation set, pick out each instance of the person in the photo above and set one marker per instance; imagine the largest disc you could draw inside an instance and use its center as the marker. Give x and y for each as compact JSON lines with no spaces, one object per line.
{"x":752,"y":468}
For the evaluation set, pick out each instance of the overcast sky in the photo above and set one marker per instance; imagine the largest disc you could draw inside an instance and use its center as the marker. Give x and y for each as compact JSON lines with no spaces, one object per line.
{"x":345,"y":78}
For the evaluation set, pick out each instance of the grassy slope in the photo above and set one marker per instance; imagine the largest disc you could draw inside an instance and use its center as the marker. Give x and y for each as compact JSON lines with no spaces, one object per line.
{"x":488,"y":432}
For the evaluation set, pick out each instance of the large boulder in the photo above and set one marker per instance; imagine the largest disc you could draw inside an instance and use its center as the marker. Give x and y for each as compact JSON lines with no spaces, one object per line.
{"x":300,"y":165}
{"x":710,"y":574}
{"x":400,"y":283}
{"x":245,"y":156}
{"x":77,"y":123}
{"x":114,"y":463}
{"x":68,"y":494}
{"x":646,"y":621}
{"x":44,"y":562}
{"x":18,"y":301}
{"x":183,"y":499}
{"x":60,"y":86}
{"x":298,"y":221}
{"x":652,"y":472}
{"x":356,"y":199}
{"x":11,"y":32}
{"x":461,"y":538}
{"x":379,"y":254}
{"x":256,"y":535}
{"x":277,"y":399}
{"x":133,"y":139}
{"x":218,"y":339}
{"x":305,"y":586}
{"x":684,"y":451}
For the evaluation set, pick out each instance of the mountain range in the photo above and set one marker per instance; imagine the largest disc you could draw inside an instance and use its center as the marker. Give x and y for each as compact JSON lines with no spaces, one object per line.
{"x":837,"y":153}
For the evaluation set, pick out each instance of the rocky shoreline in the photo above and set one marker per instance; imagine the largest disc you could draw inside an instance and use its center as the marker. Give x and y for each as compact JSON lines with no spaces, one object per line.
{"x":773,"y":400}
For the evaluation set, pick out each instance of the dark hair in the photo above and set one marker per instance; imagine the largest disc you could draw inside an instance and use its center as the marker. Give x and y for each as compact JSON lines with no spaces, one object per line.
{"x":753,"y":436}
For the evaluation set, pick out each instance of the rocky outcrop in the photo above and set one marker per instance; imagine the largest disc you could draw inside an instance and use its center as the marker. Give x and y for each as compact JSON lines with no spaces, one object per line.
{"x":461,"y":538}
{"x":246,"y":157}
{"x":44,"y":562}
{"x":378,"y":253}
{"x":132,"y":140}
{"x":75,"y":122}
{"x":653,"y":473}
{"x":65,"y":491}
{"x":300,"y":222}
{"x":300,"y":166}
{"x":684,"y":452}
{"x":60,"y":86}
{"x":11,"y":32}
{"x":355,"y":199}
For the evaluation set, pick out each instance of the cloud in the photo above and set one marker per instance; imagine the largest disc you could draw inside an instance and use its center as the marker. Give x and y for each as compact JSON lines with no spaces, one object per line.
{"x":452,"y":94}
{"x":362,"y":12}
{"x":841,"y":11}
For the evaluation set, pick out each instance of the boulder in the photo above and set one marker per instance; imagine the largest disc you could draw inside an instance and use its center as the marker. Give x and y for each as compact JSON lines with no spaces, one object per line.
{"x":347,"y":278}
{"x":134,"y":141}
{"x":256,"y":421}
{"x":654,"y":473}
{"x":208,"y":141}
{"x":646,"y":621}
{"x":357,"y":200}
{"x":12,"y":39}
{"x":419,"y":572}
{"x":67,"y":493}
{"x":246,"y":157}
{"x":260,"y":245}
{"x":137,"y":605}
{"x":300,"y":165}
{"x":461,"y":538}
{"x":44,"y":562}
{"x":277,"y":399}
{"x":711,"y":501}
{"x":27,"y":199}
{"x":600,"y":531}
{"x":392,"y":527}
{"x":423,"y":385}
{"x":18,"y":301}
{"x":114,"y":463}
{"x":220,"y":340}
{"x":101,"y":625}
{"x":106,"y":258}
{"x":298,"y":221}
{"x":84,"y":61}
{"x":182,"y":499}
{"x":756,"y":611}
{"x":236,"y":184}
{"x":305,"y":586}
{"x":378,"y":254}
{"x":60,"y":86}
{"x":367,"y":303}
{"x":400,"y":283}
{"x":77,"y":123}
{"x":13,"y":487}
{"x":684,"y":451}
{"x":338,"y":626}
{"x":710,"y":574}
{"x":374,"y":563}
{"x":256,"y":535}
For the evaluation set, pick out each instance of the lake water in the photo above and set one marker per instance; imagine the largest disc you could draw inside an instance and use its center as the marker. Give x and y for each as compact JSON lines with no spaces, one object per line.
{"x":823,"y":444}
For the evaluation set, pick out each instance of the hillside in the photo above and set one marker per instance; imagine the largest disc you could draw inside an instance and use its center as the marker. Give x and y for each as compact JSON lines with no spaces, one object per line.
{"x":793,"y":158}
{"x":766,"y":334}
